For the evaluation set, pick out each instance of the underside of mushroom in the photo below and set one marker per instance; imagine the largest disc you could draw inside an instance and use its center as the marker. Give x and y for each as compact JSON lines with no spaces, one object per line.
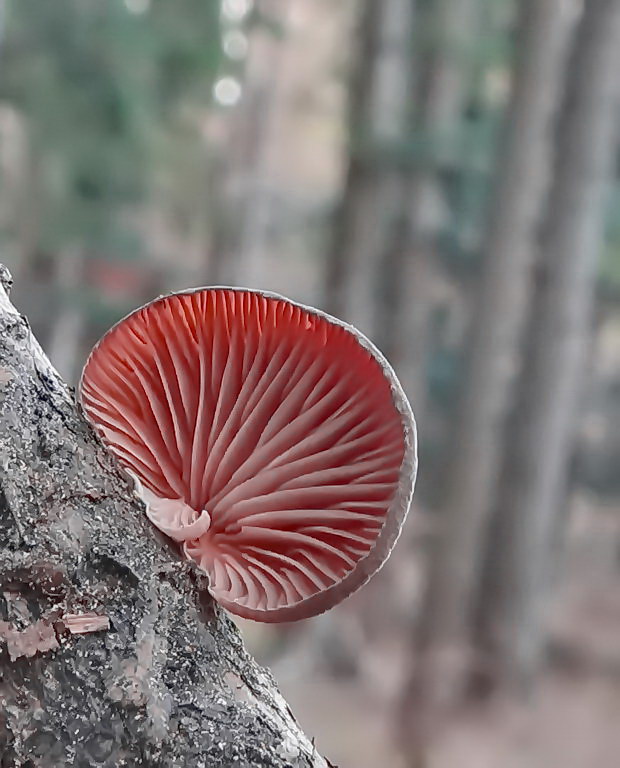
{"x":272,"y":441}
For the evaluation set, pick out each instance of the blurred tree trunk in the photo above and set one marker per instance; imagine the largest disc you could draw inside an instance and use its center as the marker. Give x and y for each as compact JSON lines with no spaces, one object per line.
{"x":379,"y":119}
{"x":499,"y":313}
{"x":380,"y":278}
{"x":29,"y":216}
{"x":379,"y":269}
{"x":405,"y":299}
{"x":66,"y":332}
{"x":2,"y":22}
{"x":242,"y":229}
{"x":538,"y":443}
{"x":269,"y":80}
{"x":20,"y":191}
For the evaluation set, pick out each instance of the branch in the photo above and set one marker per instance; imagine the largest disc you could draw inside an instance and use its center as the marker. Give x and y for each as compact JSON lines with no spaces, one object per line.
{"x":112,"y":652}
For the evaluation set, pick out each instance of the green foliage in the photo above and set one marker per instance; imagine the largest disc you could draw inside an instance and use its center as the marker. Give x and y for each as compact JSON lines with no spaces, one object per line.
{"x":98,"y":85}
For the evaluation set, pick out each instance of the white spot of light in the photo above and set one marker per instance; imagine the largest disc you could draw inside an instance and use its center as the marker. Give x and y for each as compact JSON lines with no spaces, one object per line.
{"x":227,"y":91}
{"x":235,"y":44}
{"x":235,"y":10}
{"x":137,"y":6}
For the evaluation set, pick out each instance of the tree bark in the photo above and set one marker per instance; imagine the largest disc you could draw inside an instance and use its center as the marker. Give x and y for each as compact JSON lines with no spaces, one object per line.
{"x":112,"y":653}
{"x":539,"y":441}
{"x":444,"y":624}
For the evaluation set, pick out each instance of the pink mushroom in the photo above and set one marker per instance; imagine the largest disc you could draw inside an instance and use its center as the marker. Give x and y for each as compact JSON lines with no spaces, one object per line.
{"x":271,"y":440}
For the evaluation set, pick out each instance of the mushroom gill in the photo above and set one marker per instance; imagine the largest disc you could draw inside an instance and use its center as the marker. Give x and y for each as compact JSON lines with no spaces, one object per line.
{"x":271,"y":440}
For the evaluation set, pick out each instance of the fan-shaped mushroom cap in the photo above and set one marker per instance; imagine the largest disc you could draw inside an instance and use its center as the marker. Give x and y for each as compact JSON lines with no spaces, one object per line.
{"x":272,"y":440}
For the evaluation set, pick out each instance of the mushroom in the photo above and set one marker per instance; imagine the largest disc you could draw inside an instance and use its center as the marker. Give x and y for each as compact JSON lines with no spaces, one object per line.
{"x":272,"y":441}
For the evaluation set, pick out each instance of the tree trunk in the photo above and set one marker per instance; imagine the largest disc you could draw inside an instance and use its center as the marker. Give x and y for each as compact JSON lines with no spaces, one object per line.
{"x":111,"y":650}
{"x":269,"y":80}
{"x":406,"y":301}
{"x":2,"y":23}
{"x":66,"y":333}
{"x":538,"y":443}
{"x":21,"y":181}
{"x":241,"y":237}
{"x":379,"y":110}
{"x":498,"y":317}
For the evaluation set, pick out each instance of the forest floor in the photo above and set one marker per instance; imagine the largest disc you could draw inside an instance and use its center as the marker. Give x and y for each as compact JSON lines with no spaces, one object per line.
{"x":572,"y":721}
{"x":574,"y":724}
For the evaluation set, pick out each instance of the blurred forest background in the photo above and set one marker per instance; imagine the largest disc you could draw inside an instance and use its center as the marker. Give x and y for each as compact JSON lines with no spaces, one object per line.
{"x":445,"y":175}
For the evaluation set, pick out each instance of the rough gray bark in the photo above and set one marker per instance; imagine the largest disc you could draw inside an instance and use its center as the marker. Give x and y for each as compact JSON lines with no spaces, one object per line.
{"x":539,"y":439}
{"x":500,"y":313}
{"x":166,"y":681}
